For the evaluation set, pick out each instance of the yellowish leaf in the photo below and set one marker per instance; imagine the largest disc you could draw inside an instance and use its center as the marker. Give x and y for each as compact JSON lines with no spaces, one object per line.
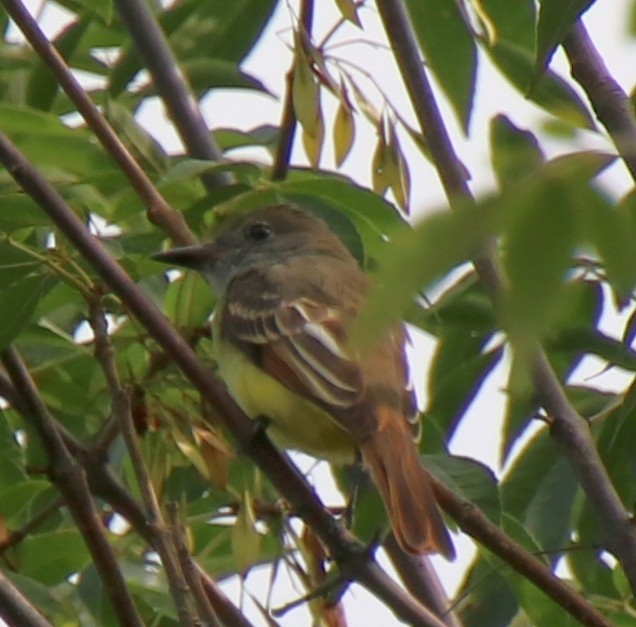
{"x":216,"y":455}
{"x":397,"y":172}
{"x":349,"y":11}
{"x":380,"y":180}
{"x":366,"y":106}
{"x":343,"y":132}
{"x":191,"y":451}
{"x":305,"y":91}
{"x":246,"y":541}
{"x":313,"y":143}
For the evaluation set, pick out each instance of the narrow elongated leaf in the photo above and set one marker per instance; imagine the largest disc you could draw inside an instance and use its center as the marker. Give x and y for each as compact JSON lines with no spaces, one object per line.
{"x":450,"y":51}
{"x":556,"y":18}
{"x":18,"y":304}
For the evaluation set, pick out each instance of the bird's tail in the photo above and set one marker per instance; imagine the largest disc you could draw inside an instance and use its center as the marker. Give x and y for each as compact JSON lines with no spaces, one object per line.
{"x":392,"y":460}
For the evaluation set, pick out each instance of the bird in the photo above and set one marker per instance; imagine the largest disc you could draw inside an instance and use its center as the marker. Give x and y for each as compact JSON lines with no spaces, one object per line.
{"x":288,"y":290}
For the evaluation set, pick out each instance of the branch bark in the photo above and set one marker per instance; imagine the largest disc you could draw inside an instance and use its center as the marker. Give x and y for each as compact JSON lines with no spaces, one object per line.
{"x":15,"y":609}
{"x":573,"y":432}
{"x":172,"y":85}
{"x":612,"y":105}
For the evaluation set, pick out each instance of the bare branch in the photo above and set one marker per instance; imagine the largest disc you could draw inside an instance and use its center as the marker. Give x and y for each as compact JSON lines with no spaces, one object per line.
{"x":573,"y":432}
{"x":422,"y":581}
{"x":15,"y":609}
{"x":613,"y":106}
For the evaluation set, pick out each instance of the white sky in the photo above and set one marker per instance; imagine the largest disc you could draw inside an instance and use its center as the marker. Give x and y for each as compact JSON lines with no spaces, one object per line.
{"x":478,"y":435}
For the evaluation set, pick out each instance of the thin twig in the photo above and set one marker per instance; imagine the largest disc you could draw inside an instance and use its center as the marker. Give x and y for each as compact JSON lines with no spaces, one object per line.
{"x":612,"y":105}
{"x":17,"y":535}
{"x":172,"y":85}
{"x":422,"y":581}
{"x":158,"y":210}
{"x":289,"y":122}
{"x":204,"y":607}
{"x":570,"y":428}
{"x":120,"y":407}
{"x":72,"y":485}
{"x":16,"y":609}
{"x":284,"y":476}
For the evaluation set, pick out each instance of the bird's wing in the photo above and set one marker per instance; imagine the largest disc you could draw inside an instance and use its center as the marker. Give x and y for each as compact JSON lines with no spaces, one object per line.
{"x":300,"y":342}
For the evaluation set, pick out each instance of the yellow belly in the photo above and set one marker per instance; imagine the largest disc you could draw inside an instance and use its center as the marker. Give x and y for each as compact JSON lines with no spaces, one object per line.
{"x":296,"y":423}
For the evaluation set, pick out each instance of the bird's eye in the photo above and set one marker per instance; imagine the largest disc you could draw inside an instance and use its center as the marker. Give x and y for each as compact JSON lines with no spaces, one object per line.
{"x":258,"y":231}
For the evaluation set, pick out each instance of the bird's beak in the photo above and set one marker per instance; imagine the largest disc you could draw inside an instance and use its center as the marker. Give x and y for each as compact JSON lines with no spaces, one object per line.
{"x":192,"y":257}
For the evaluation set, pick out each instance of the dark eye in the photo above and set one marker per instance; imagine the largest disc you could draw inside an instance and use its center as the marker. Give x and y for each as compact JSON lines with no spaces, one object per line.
{"x":258,"y":231}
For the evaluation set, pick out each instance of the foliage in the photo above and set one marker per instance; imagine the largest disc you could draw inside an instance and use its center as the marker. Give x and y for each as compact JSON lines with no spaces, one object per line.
{"x":565,"y":246}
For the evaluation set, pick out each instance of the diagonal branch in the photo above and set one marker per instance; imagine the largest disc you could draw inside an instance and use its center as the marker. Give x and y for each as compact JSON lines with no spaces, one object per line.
{"x":419,"y":576}
{"x":570,"y":429}
{"x":613,"y":106}
{"x":350,"y":556}
{"x":158,"y":210}
{"x":172,"y":85}
{"x":15,"y":609}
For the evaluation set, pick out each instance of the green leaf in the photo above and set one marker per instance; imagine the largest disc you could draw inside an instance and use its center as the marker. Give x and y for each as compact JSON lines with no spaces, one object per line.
{"x":189,"y":301}
{"x":14,"y":264}
{"x":515,"y":153}
{"x":485,"y":597}
{"x":470,"y":479}
{"x":540,"y":609}
{"x":202,"y":30}
{"x":539,"y":491}
{"x":513,"y":20}
{"x":612,"y":230}
{"x":556,"y":18}
{"x":52,"y":557}
{"x":42,"y":87}
{"x":19,"y":302}
{"x":550,"y":92}
{"x":45,"y":599}
{"x":459,"y":369}
{"x":418,"y":257}
{"x":449,"y":49}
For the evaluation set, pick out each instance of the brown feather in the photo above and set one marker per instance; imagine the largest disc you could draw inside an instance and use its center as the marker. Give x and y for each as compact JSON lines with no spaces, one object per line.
{"x":391,"y":458}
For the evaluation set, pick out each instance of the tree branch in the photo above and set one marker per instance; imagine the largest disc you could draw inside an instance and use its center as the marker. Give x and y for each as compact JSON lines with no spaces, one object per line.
{"x":478,"y":526}
{"x":159,"y":211}
{"x":73,"y":487}
{"x":15,"y":609}
{"x":573,"y":432}
{"x":120,"y":407}
{"x":172,"y":85}
{"x":288,"y":123}
{"x":612,"y":105}
{"x":422,"y":581}
{"x":350,"y":556}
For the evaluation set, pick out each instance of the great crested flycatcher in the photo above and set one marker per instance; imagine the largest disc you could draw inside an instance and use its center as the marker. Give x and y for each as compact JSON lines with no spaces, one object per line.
{"x":288,"y":288}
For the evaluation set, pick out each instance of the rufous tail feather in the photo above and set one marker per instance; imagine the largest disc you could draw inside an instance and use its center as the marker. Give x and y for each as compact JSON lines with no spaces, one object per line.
{"x":391,"y":457}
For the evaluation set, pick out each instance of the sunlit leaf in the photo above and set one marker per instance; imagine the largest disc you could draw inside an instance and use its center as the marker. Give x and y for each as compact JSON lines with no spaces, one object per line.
{"x":349,"y":11}
{"x":343,"y":132}
{"x":246,"y":540}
